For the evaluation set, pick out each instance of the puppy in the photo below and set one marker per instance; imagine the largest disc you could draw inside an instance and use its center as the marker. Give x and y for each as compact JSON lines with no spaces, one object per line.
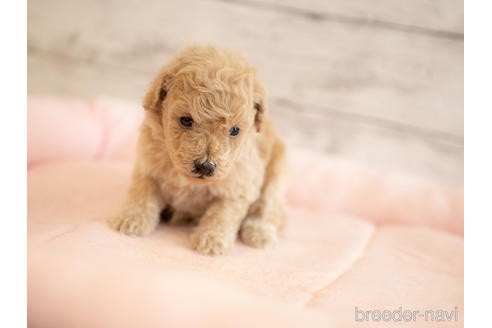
{"x":207,"y":153}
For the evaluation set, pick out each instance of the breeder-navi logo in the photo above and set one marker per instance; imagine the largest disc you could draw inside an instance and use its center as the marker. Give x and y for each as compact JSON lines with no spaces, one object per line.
{"x":399,"y":315}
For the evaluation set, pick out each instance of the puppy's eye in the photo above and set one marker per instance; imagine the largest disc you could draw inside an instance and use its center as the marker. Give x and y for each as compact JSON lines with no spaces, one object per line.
{"x":234,"y":131}
{"x":186,"y":121}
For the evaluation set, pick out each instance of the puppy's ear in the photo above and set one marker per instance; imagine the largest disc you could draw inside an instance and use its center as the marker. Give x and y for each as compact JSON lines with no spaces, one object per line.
{"x":259,"y":105}
{"x":158,"y":91}
{"x":260,"y":114}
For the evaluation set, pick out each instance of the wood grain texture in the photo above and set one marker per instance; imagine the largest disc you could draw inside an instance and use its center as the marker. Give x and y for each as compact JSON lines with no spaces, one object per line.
{"x":389,"y":97}
{"x":439,"y":18}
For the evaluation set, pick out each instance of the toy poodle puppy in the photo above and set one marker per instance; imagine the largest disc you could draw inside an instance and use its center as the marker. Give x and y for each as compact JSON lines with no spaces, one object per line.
{"x":207,"y":154}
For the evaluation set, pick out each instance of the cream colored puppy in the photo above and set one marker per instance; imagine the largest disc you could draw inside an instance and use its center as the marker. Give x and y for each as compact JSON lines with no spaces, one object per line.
{"x":207,"y":153}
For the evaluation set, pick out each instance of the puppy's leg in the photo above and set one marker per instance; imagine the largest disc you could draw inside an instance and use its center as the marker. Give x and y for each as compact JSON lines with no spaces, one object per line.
{"x":141,"y":212}
{"x":218,"y":228}
{"x":267,"y":214}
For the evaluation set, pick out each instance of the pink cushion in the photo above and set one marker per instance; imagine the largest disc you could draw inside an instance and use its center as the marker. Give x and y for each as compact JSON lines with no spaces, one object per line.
{"x":355,"y":238}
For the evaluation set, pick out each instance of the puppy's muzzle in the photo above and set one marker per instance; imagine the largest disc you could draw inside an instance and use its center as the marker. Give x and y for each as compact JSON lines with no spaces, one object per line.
{"x":205,"y":169}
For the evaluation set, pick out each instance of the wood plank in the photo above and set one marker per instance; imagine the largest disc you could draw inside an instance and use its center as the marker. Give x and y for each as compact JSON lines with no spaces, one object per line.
{"x":381,"y":147}
{"x":64,"y":77}
{"x":385,"y":97}
{"x":437,"y":17}
{"x":410,"y":79}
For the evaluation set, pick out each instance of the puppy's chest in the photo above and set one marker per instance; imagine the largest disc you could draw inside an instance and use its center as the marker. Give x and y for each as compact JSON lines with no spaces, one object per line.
{"x":185,"y":197}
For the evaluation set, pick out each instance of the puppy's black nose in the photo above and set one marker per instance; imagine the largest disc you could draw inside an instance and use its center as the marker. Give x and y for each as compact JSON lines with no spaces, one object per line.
{"x":204,"y":169}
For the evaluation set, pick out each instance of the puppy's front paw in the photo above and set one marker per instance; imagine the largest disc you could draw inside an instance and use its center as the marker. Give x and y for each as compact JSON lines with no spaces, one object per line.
{"x":259,"y":234}
{"x":133,"y":223}
{"x":211,"y":242}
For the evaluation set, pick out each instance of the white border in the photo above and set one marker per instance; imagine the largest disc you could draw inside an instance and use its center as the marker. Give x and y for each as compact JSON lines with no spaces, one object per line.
{"x":13,"y":140}
{"x":478,"y":162}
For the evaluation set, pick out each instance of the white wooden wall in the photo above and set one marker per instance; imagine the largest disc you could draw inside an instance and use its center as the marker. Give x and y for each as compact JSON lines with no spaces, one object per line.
{"x":377,"y":81}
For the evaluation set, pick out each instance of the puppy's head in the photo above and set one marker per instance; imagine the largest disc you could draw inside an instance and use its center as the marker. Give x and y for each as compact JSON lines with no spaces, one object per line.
{"x":209,"y":105}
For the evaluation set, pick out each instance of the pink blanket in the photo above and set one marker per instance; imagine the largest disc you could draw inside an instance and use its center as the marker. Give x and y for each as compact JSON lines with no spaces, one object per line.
{"x":358,"y":243}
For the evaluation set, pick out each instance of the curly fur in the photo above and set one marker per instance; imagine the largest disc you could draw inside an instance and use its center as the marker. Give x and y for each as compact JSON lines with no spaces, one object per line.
{"x":218,"y":89}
